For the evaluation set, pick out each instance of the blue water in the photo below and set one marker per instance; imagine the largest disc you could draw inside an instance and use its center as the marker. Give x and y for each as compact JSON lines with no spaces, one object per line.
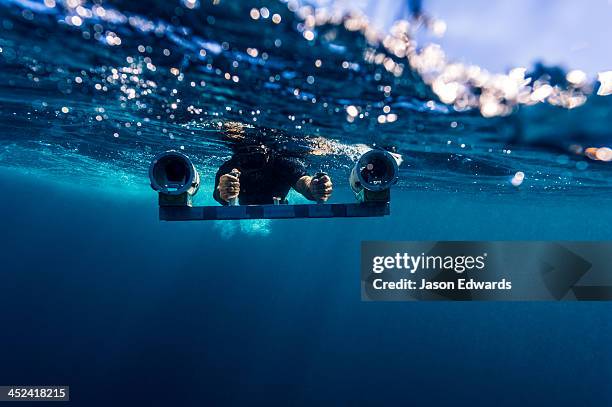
{"x":98,"y":294}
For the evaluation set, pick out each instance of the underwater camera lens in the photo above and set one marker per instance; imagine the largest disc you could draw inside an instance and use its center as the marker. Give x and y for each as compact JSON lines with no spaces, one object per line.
{"x":173,"y":173}
{"x":376,"y":170}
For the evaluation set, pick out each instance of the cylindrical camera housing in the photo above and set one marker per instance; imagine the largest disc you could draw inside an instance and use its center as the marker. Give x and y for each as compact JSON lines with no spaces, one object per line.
{"x":173,"y":174}
{"x":376,"y":170}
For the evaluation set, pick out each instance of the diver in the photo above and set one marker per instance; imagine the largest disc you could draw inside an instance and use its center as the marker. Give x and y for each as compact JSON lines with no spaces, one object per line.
{"x":257,"y":174}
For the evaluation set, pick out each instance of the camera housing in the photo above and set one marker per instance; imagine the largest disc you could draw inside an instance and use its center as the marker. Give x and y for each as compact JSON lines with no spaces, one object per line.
{"x":373,"y":175}
{"x":175,"y":178}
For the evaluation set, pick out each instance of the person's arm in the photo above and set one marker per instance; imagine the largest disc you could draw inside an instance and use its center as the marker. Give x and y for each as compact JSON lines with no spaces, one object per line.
{"x":226,"y":185}
{"x":314,"y":189}
{"x":303,"y":187}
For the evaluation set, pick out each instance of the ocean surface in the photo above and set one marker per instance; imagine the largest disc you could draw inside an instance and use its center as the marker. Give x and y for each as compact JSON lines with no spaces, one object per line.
{"x":97,"y":294}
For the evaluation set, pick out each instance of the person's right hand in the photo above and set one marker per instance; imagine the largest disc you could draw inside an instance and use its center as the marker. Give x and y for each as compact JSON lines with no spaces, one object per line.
{"x":229,"y":186}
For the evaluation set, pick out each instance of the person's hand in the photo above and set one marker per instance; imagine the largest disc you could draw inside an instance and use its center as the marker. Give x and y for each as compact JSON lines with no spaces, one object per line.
{"x":321,"y":188}
{"x":229,"y":186}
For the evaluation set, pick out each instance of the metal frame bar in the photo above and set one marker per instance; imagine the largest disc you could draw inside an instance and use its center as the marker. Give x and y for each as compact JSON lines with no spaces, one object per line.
{"x":337,"y":210}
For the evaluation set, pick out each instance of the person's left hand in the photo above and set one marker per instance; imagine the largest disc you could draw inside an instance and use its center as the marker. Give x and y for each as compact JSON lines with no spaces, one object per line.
{"x":321,"y":188}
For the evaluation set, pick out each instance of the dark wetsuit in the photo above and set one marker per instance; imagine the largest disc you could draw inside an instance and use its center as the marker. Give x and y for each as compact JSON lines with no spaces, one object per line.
{"x":260,"y":185}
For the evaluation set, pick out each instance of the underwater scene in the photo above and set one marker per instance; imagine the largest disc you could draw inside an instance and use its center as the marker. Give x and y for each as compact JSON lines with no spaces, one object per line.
{"x":97,"y":293}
